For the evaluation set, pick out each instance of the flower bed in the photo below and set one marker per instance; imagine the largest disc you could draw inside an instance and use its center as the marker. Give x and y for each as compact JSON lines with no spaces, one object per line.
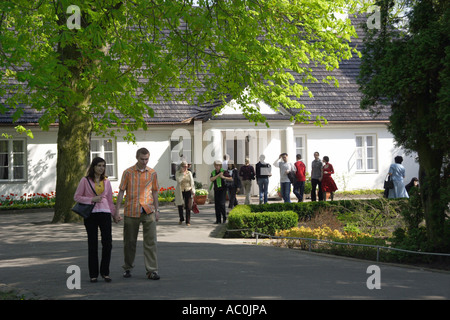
{"x":166,"y":194}
{"x":326,"y":233}
{"x":14,"y":201}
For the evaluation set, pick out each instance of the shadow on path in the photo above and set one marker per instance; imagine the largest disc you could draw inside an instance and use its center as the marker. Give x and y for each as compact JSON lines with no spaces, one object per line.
{"x":34,"y":256}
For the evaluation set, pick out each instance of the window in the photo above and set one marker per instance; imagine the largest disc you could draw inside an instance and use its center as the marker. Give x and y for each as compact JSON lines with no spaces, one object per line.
{"x":106,"y":149}
{"x":366,"y":153}
{"x":12,"y":160}
{"x":299,"y":147}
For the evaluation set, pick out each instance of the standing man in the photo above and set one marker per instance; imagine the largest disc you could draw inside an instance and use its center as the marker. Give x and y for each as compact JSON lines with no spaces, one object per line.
{"x":263,"y":172}
{"x":300,"y":174}
{"x":141,"y":206}
{"x":316,"y":177}
{"x":285,"y":183}
{"x":247,"y":174}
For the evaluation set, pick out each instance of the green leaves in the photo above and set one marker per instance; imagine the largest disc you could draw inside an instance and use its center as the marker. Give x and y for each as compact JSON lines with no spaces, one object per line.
{"x":130,"y":52}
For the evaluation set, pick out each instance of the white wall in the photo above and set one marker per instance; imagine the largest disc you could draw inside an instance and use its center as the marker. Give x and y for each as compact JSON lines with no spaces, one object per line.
{"x":338,"y":143}
{"x":41,"y":164}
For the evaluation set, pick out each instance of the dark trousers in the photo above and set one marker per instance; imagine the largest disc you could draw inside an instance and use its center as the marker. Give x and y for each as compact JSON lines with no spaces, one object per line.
{"x":100,"y":221}
{"x":299,"y":189}
{"x":219,"y":204}
{"x":187,"y":205}
{"x":316,"y":183}
{"x":232,"y":197}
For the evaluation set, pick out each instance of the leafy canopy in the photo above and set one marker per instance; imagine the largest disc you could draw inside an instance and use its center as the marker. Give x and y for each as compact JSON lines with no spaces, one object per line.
{"x":408,"y":69}
{"x":129,"y":54}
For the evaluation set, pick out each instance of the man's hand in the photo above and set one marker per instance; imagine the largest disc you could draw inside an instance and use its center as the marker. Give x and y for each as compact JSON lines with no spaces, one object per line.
{"x":117,"y":218}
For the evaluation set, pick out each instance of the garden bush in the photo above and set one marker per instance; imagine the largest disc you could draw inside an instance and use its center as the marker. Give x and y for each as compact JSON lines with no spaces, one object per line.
{"x":241,"y":217}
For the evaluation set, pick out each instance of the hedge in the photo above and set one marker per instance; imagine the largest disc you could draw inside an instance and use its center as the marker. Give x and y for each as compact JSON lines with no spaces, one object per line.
{"x":266,"y":222}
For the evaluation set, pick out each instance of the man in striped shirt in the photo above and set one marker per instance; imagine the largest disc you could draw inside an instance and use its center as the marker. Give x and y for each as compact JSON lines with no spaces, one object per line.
{"x":140,"y":183}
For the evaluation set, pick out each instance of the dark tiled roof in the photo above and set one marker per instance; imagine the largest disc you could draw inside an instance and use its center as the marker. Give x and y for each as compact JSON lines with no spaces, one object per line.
{"x":341,"y":103}
{"x":338,"y":104}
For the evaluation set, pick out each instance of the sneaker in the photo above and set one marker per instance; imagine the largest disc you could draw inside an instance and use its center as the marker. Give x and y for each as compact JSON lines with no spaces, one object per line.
{"x":127,"y":274}
{"x":153,"y":276}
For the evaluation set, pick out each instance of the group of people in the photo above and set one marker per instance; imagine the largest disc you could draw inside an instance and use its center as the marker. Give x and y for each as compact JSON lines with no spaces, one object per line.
{"x":227,"y":180}
{"x":295,"y":173}
{"x":140,"y":183}
{"x":290,"y":174}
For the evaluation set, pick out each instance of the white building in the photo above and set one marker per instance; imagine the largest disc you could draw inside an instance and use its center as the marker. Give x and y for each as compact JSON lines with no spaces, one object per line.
{"x":360,"y":152}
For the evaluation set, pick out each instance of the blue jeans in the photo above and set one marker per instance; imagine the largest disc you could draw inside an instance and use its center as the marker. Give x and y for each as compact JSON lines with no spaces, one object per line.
{"x":286,"y":191}
{"x":299,"y":190}
{"x":263,"y":184}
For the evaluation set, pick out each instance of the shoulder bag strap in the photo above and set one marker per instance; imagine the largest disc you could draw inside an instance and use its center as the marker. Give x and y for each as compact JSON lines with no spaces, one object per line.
{"x":91,"y":186}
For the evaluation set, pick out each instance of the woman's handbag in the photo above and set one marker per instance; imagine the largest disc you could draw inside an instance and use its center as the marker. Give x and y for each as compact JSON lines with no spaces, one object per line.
{"x":83,"y":209}
{"x":388,"y":184}
{"x":195,"y":207}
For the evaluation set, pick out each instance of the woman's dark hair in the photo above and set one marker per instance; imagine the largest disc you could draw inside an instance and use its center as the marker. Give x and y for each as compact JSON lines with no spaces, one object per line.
{"x":325,"y":158}
{"x":91,"y":172}
{"x":398,"y":159}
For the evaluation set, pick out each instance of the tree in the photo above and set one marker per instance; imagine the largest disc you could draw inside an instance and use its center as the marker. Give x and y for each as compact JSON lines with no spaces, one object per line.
{"x":409,"y":69}
{"x":96,"y":66}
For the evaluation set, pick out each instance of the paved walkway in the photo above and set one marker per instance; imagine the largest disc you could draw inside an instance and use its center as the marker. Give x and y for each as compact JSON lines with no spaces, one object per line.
{"x":194,"y":265}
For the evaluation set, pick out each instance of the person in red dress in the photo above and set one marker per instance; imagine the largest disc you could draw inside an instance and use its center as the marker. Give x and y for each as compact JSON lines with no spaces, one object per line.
{"x":328,"y":184}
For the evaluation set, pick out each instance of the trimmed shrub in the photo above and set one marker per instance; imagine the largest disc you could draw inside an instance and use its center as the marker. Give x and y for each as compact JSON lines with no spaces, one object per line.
{"x":241,"y":217}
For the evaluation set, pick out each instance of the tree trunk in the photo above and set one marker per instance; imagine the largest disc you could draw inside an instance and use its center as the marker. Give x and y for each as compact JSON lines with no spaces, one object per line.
{"x":74,"y":132}
{"x":430,"y":189}
{"x":73,"y":162}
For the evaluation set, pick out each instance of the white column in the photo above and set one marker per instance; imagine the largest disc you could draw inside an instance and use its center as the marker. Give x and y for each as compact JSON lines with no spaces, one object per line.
{"x":213,"y":150}
{"x":290,"y":147}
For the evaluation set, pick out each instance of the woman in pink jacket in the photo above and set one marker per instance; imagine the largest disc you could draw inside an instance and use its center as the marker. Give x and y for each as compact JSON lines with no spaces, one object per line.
{"x":100,"y":217}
